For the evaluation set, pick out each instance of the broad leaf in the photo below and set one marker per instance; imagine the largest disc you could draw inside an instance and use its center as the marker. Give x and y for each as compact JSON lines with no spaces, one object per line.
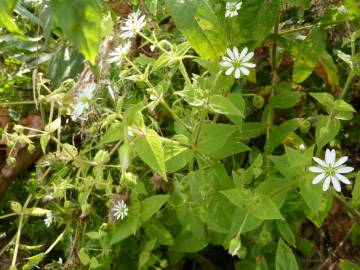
{"x":80,"y":21}
{"x":150,"y":150}
{"x":198,"y":22}
{"x":285,"y":258}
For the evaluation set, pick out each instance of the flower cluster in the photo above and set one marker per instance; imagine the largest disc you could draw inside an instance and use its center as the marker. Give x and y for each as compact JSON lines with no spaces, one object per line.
{"x":330,"y":170}
{"x":236,"y":62}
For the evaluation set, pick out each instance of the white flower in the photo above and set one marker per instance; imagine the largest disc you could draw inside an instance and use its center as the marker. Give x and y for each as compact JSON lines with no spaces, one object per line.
{"x":2,"y":235}
{"x":331,"y":170}
{"x":49,"y":219}
{"x":232,"y":8}
{"x":119,"y":53}
{"x":237,"y":63}
{"x":302,"y":146}
{"x":133,"y":25}
{"x":60,"y":261}
{"x":81,"y":100}
{"x":120,"y":210}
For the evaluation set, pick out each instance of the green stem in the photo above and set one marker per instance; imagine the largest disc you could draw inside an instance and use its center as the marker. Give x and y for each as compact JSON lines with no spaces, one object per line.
{"x":17,"y":240}
{"x":184,"y":73}
{"x":16,"y":103}
{"x":307,"y":27}
{"x":243,"y":224}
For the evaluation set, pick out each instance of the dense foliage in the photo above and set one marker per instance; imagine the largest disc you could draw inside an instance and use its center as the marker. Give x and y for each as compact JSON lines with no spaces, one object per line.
{"x":179,"y":134}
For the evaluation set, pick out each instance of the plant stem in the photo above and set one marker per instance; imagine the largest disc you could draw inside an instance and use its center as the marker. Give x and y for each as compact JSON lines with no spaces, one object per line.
{"x":17,"y":103}
{"x":17,"y":240}
{"x":270,"y":117}
{"x":243,"y":224}
{"x":306,"y":27}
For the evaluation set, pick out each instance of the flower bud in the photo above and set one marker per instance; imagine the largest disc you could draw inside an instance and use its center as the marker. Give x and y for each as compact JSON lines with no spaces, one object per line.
{"x":258,"y":102}
{"x":10,"y":161}
{"x":234,"y":246}
{"x":164,"y":263}
{"x":305,"y":126}
{"x":242,"y":253}
{"x":264,"y":238}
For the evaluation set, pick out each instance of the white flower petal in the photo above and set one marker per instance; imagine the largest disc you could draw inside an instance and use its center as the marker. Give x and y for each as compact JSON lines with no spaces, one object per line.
{"x":318,"y":178}
{"x":237,"y":73}
{"x":330,"y":157}
{"x":316,"y":169}
{"x":248,"y":56}
{"x":343,"y":179}
{"x":320,"y":161}
{"x":230,"y":53}
{"x":344,"y":169}
{"x":336,"y":183}
{"x":243,"y":52}
{"x":341,"y":161}
{"x":229,"y":71}
{"x":250,"y":65}
{"x":226,"y":64}
{"x":236,"y":52}
{"x":245,"y":70}
{"x":326,"y":183}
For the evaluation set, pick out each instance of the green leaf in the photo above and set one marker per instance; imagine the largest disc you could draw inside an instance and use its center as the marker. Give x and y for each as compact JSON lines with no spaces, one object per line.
{"x":176,"y":155}
{"x":286,"y":232}
{"x":150,"y":150}
{"x":279,"y":133}
{"x":124,"y":228}
{"x":114,"y":133}
{"x":325,"y":99}
{"x":66,"y":63}
{"x":318,"y":217}
{"x":348,"y":265}
{"x":232,"y":146}
{"x":151,"y":205}
{"x":285,"y":100}
{"x":259,"y":205}
{"x":223,"y":105}
{"x":198,"y":22}
{"x":213,"y":137}
{"x":355,"y":201}
{"x":6,"y":19}
{"x":264,"y":208}
{"x":285,"y":258}
{"x":308,"y":54}
{"x":80,"y":21}
{"x":312,"y":194}
{"x":256,"y":20}
{"x":188,"y":242}
{"x":326,"y":130}
{"x":34,"y":261}
{"x":158,"y":231}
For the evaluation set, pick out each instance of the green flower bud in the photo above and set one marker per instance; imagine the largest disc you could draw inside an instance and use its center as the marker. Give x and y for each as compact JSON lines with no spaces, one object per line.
{"x":234,"y":246}
{"x":258,"y":102}
{"x":31,"y":148}
{"x":11,"y":161}
{"x":164,"y":263}
{"x":242,"y":253}
{"x":305,"y":126}
{"x":264,"y":238}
